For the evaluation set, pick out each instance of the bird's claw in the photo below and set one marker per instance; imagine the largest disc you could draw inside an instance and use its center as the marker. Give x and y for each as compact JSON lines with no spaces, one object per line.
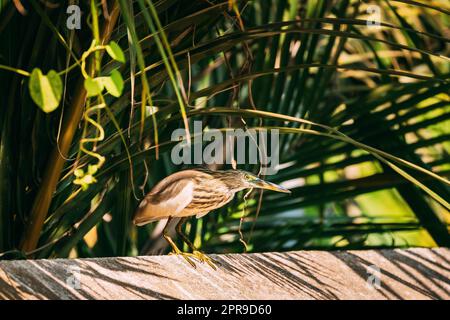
{"x":204,"y":258}
{"x":200,"y":256}
{"x":186,"y":256}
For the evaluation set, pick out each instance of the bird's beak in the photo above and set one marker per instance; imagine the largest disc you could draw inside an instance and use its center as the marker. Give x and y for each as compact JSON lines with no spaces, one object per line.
{"x":261,"y":184}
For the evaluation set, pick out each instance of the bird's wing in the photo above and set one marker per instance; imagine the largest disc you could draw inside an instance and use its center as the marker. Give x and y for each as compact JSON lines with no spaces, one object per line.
{"x":201,"y":214}
{"x":168,"y":202}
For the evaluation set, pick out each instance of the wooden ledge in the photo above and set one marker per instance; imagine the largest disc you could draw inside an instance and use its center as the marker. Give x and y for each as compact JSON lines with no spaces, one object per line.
{"x":403,"y":274}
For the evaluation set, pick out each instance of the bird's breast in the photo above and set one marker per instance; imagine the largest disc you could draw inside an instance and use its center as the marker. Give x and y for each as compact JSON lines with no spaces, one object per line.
{"x":209,"y":199}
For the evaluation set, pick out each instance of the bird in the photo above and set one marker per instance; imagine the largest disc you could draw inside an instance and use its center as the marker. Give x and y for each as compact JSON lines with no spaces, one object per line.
{"x":194,"y":192}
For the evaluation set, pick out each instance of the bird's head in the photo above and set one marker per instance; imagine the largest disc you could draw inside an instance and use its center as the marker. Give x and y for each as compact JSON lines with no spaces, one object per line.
{"x":252,"y":181}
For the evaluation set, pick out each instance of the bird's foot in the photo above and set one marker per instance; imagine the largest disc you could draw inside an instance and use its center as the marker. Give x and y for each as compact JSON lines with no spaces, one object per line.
{"x":204,"y":258}
{"x":186,"y":256}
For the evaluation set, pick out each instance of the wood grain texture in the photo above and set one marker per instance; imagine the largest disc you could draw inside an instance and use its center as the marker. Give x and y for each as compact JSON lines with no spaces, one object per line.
{"x":405,"y":274}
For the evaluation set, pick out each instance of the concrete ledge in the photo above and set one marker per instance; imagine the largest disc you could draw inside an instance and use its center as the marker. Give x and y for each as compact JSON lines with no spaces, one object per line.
{"x":405,"y":274}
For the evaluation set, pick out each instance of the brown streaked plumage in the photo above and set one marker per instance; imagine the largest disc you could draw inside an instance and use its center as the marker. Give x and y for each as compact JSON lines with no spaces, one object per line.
{"x":194,"y":192}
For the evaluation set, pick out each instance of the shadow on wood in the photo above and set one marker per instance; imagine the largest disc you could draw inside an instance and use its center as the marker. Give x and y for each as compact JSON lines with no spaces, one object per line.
{"x":403,"y":274}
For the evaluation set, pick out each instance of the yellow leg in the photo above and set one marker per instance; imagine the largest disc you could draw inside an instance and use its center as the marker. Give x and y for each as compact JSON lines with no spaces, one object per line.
{"x":186,"y":256}
{"x":195,"y":252}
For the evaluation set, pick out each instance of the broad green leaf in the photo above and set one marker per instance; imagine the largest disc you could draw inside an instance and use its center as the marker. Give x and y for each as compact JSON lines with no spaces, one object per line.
{"x":113,"y":83}
{"x":45,"y":90}
{"x":115,"y":52}
{"x":93,"y":86}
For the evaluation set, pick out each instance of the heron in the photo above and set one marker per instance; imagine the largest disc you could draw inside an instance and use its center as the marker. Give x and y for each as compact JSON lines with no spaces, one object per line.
{"x":194,"y":192}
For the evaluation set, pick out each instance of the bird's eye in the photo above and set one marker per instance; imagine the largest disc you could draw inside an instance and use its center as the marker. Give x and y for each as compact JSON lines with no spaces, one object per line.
{"x":247,"y":177}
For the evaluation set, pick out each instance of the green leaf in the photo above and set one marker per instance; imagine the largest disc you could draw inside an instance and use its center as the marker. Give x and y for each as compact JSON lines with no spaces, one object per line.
{"x":92,"y":169}
{"x":115,"y":52}
{"x":93,"y":86}
{"x":45,"y":90}
{"x":79,"y":173}
{"x":113,"y":83}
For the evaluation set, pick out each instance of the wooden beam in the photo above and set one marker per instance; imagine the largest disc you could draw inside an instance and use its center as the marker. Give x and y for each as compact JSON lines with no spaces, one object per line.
{"x":404,"y":274}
